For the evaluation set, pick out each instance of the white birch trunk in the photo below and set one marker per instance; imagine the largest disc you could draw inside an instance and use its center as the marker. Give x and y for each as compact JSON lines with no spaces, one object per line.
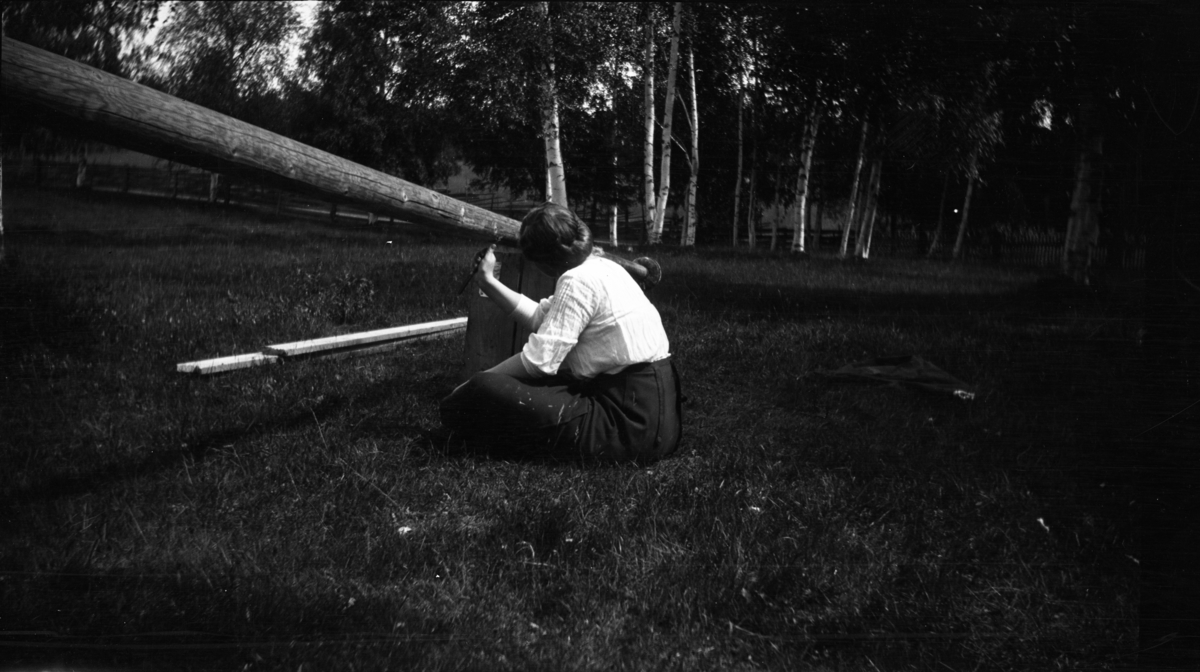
{"x":800,"y":207}
{"x":775,"y":206}
{"x":796,"y":214}
{"x":966,"y":210}
{"x":752,"y":198}
{"x":1083,"y":232}
{"x":862,"y":241}
{"x":818,"y":222}
{"x":937,"y":233}
{"x":612,"y":142}
{"x":689,"y":223}
{"x":863,"y":248}
{"x":664,"y":167}
{"x":556,"y":180}
{"x":862,"y":147}
{"x":648,"y":204}
{"x":737,"y":187}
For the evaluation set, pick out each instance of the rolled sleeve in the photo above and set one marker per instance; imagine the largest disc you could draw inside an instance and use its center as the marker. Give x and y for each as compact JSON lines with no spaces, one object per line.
{"x":565,"y":316}
{"x":530,"y":313}
{"x":530,"y":368}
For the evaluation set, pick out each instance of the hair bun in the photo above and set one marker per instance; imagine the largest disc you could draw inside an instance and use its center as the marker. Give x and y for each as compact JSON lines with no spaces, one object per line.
{"x":555,"y":237}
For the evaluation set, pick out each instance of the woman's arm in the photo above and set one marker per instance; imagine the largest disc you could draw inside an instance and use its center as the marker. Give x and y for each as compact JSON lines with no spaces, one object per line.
{"x":504,"y":298}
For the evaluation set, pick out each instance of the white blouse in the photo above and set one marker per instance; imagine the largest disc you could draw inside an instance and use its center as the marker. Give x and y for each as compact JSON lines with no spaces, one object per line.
{"x":597,"y":321}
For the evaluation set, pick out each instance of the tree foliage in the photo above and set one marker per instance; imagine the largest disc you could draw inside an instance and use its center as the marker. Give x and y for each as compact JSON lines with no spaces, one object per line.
{"x":106,"y":35}
{"x":230,"y":56}
{"x":103,"y":34}
{"x":496,"y":94}
{"x":998,"y":96}
{"x":375,"y":85}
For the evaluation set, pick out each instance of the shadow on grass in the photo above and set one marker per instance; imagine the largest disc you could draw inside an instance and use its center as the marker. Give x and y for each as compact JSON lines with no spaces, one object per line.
{"x":172,"y":223}
{"x":35,"y":315}
{"x":700,"y":291}
{"x":242,"y":619}
{"x":200,"y":446}
{"x":266,"y":236}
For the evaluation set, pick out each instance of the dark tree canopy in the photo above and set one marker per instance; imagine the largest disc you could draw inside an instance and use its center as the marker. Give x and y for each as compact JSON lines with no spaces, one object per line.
{"x":374,"y":85}
{"x":991,"y":91}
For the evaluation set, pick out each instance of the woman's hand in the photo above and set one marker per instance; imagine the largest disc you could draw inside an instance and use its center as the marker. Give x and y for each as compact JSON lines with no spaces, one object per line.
{"x":487,"y":282}
{"x":487,"y":268}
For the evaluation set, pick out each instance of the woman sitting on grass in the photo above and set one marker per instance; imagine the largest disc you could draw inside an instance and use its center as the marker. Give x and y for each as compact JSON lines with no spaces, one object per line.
{"x":594,"y":381}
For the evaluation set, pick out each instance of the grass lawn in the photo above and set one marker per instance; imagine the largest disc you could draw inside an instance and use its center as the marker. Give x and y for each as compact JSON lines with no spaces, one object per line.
{"x":289,"y":515}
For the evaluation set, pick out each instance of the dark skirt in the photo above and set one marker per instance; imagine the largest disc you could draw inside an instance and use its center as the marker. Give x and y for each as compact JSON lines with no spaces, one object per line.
{"x":631,"y":416}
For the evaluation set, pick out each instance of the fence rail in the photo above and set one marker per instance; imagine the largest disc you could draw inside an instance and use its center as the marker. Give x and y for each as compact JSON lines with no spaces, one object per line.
{"x":180,"y":182}
{"x":1036,"y":249}
{"x":190,"y":184}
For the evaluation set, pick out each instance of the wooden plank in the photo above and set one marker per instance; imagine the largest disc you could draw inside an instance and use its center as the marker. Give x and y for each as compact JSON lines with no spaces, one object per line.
{"x":365,"y":343}
{"x":364,"y":339}
{"x":219,"y":364}
{"x":389,"y":346}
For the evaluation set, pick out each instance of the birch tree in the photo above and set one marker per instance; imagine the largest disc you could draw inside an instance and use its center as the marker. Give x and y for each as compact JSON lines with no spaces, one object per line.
{"x":777,"y":203}
{"x":858,"y":164}
{"x":556,"y":181}
{"x":1083,"y":228}
{"x":688,"y":236}
{"x":978,"y":132}
{"x":937,"y":232}
{"x":800,"y":204}
{"x":615,"y":160}
{"x":972,"y":176}
{"x":649,"y":204}
{"x":862,"y":246}
{"x":664,"y":180}
{"x":523,"y":75}
{"x":741,"y":150}
{"x":752,"y":197}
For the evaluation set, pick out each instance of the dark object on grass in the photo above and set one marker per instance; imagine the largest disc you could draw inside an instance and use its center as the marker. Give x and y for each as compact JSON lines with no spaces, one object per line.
{"x":645,"y":271}
{"x":653,"y":273}
{"x":906,"y":370}
{"x":475,"y":267}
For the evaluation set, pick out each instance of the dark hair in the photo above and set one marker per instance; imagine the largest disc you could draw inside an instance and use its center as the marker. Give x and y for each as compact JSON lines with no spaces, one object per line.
{"x":555,"y":238}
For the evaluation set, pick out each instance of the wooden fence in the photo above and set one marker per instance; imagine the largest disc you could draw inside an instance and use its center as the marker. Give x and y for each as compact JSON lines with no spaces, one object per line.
{"x":172,"y":181}
{"x":179,"y":182}
{"x":1040,"y":249}
{"x":1028,"y":248}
